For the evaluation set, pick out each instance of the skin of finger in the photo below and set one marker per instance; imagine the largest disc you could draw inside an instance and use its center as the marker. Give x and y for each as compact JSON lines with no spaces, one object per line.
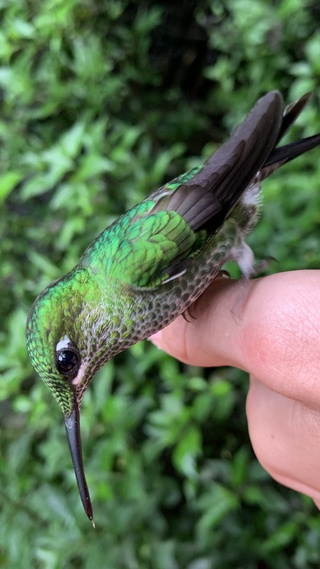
{"x":269,"y":327}
{"x":285,"y":435}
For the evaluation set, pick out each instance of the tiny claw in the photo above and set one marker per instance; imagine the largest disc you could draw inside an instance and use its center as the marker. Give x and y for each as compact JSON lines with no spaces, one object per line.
{"x":187,"y":312}
{"x":263,"y":265}
{"x":93,"y":524}
{"x":223,"y":274}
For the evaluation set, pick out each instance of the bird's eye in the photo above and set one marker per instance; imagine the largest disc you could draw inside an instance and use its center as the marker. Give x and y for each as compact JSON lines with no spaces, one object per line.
{"x":68,"y":362}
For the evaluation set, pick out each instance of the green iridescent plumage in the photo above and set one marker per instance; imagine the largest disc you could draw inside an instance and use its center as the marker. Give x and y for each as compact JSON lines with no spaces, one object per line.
{"x":155,"y":260}
{"x":138,"y":249}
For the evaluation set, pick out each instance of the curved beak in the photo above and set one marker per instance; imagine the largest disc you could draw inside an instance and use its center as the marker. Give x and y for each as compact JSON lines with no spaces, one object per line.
{"x":72,"y":424}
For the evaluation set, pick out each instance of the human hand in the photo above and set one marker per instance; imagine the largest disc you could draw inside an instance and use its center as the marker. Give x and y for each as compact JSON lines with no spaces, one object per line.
{"x":269,"y":327}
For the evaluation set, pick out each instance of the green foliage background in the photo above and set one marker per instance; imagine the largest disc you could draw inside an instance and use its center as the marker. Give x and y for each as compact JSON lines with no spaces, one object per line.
{"x":101,"y":102}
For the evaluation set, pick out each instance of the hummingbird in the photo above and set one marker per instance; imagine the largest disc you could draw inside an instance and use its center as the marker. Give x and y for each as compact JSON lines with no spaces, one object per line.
{"x":152,"y":263}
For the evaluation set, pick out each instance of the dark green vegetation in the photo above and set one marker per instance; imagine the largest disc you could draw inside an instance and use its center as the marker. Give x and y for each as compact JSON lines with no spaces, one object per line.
{"x":101,"y":102}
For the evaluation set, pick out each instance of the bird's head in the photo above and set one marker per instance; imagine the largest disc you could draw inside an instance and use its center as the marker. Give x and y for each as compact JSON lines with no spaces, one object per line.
{"x":65,"y":332}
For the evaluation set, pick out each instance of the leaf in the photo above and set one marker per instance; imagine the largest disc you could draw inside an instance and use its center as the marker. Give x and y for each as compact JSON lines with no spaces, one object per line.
{"x":8,"y":182}
{"x":187,"y":450}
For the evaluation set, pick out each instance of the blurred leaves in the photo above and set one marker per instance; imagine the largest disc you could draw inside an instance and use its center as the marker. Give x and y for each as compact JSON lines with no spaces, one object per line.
{"x":101,"y":102}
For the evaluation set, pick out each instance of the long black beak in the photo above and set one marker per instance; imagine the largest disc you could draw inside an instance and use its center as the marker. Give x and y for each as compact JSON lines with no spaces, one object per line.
{"x":72,"y":424}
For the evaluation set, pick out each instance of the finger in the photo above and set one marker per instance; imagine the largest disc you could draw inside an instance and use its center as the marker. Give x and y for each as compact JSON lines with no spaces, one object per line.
{"x":285,"y":435}
{"x":269,"y":327}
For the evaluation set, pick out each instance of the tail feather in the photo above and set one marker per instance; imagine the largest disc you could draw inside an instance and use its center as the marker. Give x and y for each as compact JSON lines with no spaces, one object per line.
{"x":291,"y":112}
{"x":290,"y":151}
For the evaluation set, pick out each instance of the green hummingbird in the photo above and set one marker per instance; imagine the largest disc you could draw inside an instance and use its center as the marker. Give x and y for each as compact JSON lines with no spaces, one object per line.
{"x":152,"y":263}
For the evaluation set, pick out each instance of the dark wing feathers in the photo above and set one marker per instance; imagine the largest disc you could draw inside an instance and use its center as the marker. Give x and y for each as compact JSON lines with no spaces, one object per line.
{"x":200,"y":211}
{"x":210,"y":195}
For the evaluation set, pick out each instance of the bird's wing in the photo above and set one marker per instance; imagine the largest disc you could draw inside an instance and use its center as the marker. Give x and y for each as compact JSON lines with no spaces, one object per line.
{"x":155,"y":241}
{"x":142,"y":248}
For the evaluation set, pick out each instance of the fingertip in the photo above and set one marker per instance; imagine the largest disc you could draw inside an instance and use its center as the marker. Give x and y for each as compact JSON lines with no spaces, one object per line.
{"x":205,"y":339}
{"x":172,"y":339}
{"x":157,"y":339}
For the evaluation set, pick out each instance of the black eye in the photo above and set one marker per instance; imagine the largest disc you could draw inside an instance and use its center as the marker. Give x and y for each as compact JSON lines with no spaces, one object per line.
{"x":68,"y":362}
